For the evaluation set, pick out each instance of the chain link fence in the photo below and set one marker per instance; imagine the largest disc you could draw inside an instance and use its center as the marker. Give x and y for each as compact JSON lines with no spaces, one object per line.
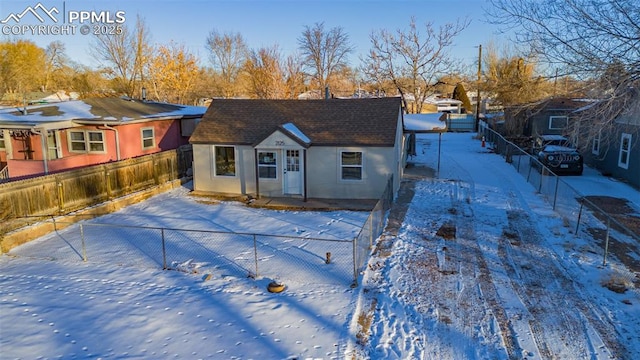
{"x":373,"y":227}
{"x":282,"y":258}
{"x":566,"y":200}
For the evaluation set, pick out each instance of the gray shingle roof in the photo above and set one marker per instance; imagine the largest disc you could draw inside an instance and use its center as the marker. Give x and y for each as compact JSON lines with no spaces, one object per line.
{"x":333,"y":122}
{"x":98,"y":110}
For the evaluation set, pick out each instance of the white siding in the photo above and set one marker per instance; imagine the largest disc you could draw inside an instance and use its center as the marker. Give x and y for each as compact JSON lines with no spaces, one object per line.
{"x":324,"y":176}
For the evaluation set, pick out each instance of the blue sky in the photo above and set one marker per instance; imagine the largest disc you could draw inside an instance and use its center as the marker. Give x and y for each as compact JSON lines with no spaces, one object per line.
{"x":262,"y":23}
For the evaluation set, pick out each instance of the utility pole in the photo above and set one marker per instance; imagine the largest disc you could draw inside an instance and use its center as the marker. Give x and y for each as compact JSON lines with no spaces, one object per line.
{"x":478,"y":86}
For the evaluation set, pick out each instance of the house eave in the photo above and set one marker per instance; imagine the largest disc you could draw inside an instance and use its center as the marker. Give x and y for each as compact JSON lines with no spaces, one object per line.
{"x":132,"y":121}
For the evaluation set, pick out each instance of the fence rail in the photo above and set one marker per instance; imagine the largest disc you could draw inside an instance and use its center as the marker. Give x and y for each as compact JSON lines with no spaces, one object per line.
{"x":566,"y":200}
{"x":285,"y":258}
{"x":201,"y":251}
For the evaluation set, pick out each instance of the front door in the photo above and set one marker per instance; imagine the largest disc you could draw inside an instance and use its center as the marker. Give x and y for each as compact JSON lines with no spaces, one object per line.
{"x":292,"y":172}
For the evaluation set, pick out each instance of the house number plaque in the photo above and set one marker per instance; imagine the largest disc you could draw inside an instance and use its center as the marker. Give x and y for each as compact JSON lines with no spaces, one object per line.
{"x":279,"y":143}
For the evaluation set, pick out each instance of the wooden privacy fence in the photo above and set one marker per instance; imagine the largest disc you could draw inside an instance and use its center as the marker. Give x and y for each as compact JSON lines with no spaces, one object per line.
{"x":71,"y":190}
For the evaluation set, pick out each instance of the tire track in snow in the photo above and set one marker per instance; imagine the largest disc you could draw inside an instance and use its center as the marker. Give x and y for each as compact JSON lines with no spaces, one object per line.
{"x":562,"y":298}
{"x":551,"y":298}
{"x":472,"y":253}
{"x":533,"y":303}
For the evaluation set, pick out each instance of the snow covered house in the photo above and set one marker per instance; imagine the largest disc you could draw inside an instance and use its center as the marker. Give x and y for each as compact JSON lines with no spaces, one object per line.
{"x":53,"y":137}
{"x":326,"y":149}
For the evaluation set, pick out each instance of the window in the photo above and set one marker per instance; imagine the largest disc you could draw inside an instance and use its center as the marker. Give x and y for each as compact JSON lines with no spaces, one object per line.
{"x":625,"y":151}
{"x":225,"y":161}
{"x":293,"y":160}
{"x":2,"y":146}
{"x":557,"y":122}
{"x":53,"y":150}
{"x":351,"y":165}
{"x":86,"y":141}
{"x":148,"y":138}
{"x":267,"y":167}
{"x":595,"y":147}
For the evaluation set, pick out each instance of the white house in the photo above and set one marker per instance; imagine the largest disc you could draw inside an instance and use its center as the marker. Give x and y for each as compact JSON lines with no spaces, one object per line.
{"x":331,"y":149}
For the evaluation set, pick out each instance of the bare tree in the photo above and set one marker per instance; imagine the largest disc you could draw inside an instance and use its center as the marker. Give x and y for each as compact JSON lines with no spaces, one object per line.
{"x":373,"y":71}
{"x":56,"y":60}
{"x":585,"y":39}
{"x":172,"y":73}
{"x":125,"y":56}
{"x":228,"y":53}
{"x":324,"y":52}
{"x":294,"y":76}
{"x":264,"y":70}
{"x":414,"y":60}
{"x":87,"y":82}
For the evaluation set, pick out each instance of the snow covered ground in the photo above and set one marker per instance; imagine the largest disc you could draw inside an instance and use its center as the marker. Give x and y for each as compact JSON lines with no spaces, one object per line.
{"x":481,"y":268}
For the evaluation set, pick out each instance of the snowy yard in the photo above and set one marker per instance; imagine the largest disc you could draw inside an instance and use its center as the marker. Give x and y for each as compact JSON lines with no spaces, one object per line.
{"x":481,"y":268}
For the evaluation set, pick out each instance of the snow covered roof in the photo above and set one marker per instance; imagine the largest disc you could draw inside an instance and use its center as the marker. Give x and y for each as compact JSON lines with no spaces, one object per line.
{"x":553,"y":137}
{"x":294,"y":131}
{"x":424,"y":123}
{"x":111,"y":111}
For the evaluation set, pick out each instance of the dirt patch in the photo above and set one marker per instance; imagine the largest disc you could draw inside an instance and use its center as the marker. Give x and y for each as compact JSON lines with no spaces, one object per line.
{"x":624,"y":252}
{"x":447,"y":231}
{"x":611,"y":205}
{"x":364,"y":323}
{"x":619,"y":209}
{"x":624,"y":214}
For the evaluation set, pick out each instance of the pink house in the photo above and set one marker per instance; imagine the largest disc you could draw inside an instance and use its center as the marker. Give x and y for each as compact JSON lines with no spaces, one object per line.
{"x":47,"y":138}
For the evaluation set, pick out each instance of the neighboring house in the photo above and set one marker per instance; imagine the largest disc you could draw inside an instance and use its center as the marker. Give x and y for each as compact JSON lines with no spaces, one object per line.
{"x":546,"y":117}
{"x":334,"y":148}
{"x":311,"y":95}
{"x":36,"y":97}
{"x":452,"y":106}
{"x":615,"y":150}
{"x":59,"y":136}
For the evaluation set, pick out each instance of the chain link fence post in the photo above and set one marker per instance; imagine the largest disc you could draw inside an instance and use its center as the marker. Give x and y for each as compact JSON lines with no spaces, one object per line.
{"x":371,"y":229}
{"x":555,"y":193}
{"x":606,"y":243}
{"x":355,"y":262}
{"x":579,"y":215}
{"x":255,"y":253}
{"x":84,"y":248}
{"x":164,"y":251}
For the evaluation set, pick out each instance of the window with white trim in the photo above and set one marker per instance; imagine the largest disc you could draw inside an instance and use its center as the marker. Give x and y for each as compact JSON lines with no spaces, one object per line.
{"x":2,"y":145}
{"x":86,"y":141}
{"x":351,"y":165}
{"x":595,"y":146}
{"x":558,"y":122}
{"x":148,"y":138}
{"x":625,"y":151}
{"x":267,"y":165}
{"x":225,"y":160}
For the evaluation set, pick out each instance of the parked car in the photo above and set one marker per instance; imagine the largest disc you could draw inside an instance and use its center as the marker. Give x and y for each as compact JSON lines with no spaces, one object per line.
{"x":557,"y":154}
